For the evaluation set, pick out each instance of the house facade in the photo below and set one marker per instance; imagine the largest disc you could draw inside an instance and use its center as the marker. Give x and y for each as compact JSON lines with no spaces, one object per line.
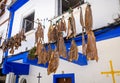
{"x":24,"y":14}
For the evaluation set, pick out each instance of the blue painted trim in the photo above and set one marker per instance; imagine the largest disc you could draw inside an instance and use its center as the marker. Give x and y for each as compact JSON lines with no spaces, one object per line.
{"x":15,"y":6}
{"x":10,"y":29}
{"x":22,"y":55}
{"x":17,"y":79}
{"x":34,"y":62}
{"x":16,"y":68}
{"x":82,"y":60}
{"x":71,"y":75}
{"x":103,"y":34}
{"x":107,"y":33}
{"x":10,"y":24}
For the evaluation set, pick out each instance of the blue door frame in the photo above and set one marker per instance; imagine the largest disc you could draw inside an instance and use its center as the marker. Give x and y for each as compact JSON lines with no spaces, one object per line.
{"x":71,"y":75}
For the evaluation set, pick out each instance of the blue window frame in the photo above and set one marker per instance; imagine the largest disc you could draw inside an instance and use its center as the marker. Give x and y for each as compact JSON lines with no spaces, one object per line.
{"x":71,"y":75}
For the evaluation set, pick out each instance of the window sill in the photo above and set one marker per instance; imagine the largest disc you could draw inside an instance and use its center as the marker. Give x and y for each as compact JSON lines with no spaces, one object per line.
{"x":29,"y":32}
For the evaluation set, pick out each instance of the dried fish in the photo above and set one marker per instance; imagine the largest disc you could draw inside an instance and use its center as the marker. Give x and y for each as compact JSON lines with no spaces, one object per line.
{"x":83,"y":27}
{"x":71,"y":27}
{"x":39,"y":34}
{"x":62,"y":25}
{"x":88,"y":18}
{"x":61,"y":47}
{"x":52,"y":33}
{"x":73,"y":53}
{"x":91,"y":50}
{"x":53,"y":63}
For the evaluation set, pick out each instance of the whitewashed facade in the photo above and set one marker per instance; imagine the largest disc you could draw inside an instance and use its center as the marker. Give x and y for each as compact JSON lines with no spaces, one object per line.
{"x":103,"y":11}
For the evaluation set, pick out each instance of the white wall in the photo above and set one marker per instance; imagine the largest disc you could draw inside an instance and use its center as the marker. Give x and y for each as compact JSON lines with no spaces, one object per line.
{"x":42,"y":9}
{"x":3,"y":27}
{"x":91,"y":73}
{"x":103,"y":13}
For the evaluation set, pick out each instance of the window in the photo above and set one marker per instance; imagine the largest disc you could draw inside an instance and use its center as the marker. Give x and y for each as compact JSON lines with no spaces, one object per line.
{"x":64,"y":5}
{"x":28,"y":23}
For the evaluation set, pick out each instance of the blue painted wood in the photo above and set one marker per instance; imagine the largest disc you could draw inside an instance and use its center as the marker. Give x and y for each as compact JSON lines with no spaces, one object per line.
{"x":17,"y":79}
{"x":16,"y":68}
{"x":9,"y":29}
{"x":103,"y":34}
{"x":22,"y":55}
{"x":71,"y":75}
{"x":15,"y":6}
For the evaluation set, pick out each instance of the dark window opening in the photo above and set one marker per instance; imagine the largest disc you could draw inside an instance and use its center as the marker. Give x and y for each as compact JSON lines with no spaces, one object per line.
{"x":64,"y":80}
{"x":28,"y":22}
{"x":65,"y":5}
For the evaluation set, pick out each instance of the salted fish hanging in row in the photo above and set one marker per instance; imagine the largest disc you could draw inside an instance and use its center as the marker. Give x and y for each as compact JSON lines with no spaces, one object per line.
{"x":54,"y":62}
{"x":84,"y":46}
{"x":73,"y":53}
{"x":71,"y":27}
{"x":91,"y":50}
{"x":39,"y":34}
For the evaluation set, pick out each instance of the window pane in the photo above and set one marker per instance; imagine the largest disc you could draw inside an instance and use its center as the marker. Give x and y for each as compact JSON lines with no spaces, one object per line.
{"x":28,"y":23}
{"x":64,"y":5}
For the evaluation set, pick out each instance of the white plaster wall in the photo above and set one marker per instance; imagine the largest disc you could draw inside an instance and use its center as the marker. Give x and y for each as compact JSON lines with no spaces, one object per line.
{"x":91,"y":73}
{"x":3,"y":28}
{"x":42,"y":9}
{"x":6,"y":14}
{"x":103,"y":13}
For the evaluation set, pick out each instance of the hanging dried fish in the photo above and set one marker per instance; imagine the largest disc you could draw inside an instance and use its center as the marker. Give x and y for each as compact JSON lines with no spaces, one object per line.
{"x":17,"y":39}
{"x":14,"y":42}
{"x":62,"y":24}
{"x":2,"y":7}
{"x":39,"y":51}
{"x":61,"y":46}
{"x":49,"y":52}
{"x":71,"y":27}
{"x":38,"y":48}
{"x":52,"y":33}
{"x":4,"y":45}
{"x":88,"y":18}
{"x":12,"y":50}
{"x":39,"y":34}
{"x":11,"y":44}
{"x":42,"y":58}
{"x":73,"y":53}
{"x":83,"y":27}
{"x":53,"y":63}
{"x":91,"y":50}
